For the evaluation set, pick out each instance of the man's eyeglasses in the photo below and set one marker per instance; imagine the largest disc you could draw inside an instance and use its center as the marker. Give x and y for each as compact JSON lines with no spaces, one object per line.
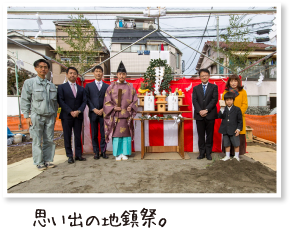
{"x":42,"y":67}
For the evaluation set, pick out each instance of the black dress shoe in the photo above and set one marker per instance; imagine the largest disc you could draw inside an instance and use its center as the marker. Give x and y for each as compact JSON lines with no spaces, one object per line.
{"x":96,"y":156}
{"x":200,"y":157}
{"x":70,"y":160}
{"x":103,"y":155}
{"x":80,"y":158}
{"x":209,"y":157}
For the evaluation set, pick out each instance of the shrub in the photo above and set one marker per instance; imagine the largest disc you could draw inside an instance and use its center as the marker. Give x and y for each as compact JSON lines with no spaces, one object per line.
{"x":261,"y":111}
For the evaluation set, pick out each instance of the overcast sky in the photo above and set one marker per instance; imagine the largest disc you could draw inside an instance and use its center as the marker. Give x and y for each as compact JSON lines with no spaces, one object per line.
{"x":190,"y":25}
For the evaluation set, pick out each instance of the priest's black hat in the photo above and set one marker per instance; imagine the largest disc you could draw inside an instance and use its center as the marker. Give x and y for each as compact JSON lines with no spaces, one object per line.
{"x":121,"y":68}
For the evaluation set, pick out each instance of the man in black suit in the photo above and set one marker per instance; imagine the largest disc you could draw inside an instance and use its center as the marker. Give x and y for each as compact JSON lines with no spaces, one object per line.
{"x":72,"y":100}
{"x":204,"y":99}
{"x":95,"y":92}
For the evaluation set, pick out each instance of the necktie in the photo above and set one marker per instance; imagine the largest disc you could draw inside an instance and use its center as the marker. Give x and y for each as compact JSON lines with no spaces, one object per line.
{"x":99,"y":85}
{"x":73,"y":89}
{"x":204,"y":89}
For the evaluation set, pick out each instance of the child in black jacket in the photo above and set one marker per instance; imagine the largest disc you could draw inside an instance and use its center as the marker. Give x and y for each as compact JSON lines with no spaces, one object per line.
{"x":232,"y":124}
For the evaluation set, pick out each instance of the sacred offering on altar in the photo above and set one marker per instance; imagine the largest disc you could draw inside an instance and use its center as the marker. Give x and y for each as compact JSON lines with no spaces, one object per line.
{"x":149,"y":103}
{"x":180,"y":92}
{"x":142,"y":89}
{"x":222,"y":103}
{"x":161,"y":103}
{"x":172,"y":103}
{"x":176,"y":92}
{"x":164,"y":93}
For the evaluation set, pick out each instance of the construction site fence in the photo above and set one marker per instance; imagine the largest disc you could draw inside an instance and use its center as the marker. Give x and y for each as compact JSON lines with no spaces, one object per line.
{"x":264,"y":127}
{"x":13,"y":123}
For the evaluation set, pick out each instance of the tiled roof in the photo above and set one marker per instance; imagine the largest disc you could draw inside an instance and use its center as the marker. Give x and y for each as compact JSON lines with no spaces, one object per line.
{"x":132,"y":35}
{"x":257,"y":46}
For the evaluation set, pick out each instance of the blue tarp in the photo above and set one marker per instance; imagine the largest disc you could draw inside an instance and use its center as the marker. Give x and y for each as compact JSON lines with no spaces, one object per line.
{"x":9,"y":133}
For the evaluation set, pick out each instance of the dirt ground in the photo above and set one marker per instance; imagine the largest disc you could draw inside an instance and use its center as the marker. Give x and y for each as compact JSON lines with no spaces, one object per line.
{"x":22,"y":151}
{"x":153,"y":176}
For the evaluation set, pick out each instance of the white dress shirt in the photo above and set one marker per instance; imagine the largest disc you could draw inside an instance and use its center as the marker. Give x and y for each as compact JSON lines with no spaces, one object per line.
{"x":223,"y":109}
{"x":75,"y":85}
{"x":205,"y":85}
{"x":101,"y":83}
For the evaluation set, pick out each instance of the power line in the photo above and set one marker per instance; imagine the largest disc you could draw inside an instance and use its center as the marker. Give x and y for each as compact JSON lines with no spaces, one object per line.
{"x":112,"y":31}
{"x":189,"y":45}
{"x":199,"y":43}
{"x":180,"y":30}
{"x":104,"y":19}
{"x":128,"y":37}
{"x":189,"y":57}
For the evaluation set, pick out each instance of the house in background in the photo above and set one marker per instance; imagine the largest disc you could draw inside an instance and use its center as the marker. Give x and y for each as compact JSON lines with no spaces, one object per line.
{"x":15,"y":52}
{"x":27,"y":56}
{"x":48,"y":38}
{"x":264,"y":95}
{"x":100,"y":56}
{"x":137,"y":58}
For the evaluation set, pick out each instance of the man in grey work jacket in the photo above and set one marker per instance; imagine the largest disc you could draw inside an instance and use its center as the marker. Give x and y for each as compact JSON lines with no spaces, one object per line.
{"x":39,"y":107}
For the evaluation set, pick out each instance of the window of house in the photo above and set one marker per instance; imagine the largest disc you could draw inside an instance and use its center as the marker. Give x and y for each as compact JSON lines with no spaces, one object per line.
{"x":156,"y":47}
{"x":177,"y":60}
{"x":152,"y":47}
{"x":208,"y":52}
{"x":71,"y":59}
{"x":136,"y":48}
{"x":123,"y":46}
{"x":221,"y":68}
{"x":139,"y":25}
{"x":133,"y":48}
{"x":62,"y":69}
{"x":91,"y":59}
{"x":257,"y":100}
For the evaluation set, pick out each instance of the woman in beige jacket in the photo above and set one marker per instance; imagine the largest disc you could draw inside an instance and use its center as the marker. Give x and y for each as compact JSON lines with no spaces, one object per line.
{"x":234,"y":85}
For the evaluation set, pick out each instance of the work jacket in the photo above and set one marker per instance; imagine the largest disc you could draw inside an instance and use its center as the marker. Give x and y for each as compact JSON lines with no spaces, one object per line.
{"x":38,"y":96}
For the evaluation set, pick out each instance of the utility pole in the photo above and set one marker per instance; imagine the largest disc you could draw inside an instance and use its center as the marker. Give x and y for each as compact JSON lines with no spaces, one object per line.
{"x":218,"y":43}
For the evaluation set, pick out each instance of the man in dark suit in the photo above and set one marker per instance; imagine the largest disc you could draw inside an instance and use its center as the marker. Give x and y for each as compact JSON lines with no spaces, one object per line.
{"x":95,"y":92}
{"x":72,"y":100}
{"x":204,"y":99}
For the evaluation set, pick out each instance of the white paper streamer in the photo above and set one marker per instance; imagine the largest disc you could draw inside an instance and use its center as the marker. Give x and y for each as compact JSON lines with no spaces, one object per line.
{"x":273,"y":71}
{"x":245,"y":84}
{"x":177,"y":119}
{"x":260,"y":80}
{"x":64,"y":80}
{"x":188,"y":88}
{"x":39,"y":23}
{"x":159,"y":72}
{"x":51,"y":76}
{"x":170,"y":133}
{"x":19,"y":63}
